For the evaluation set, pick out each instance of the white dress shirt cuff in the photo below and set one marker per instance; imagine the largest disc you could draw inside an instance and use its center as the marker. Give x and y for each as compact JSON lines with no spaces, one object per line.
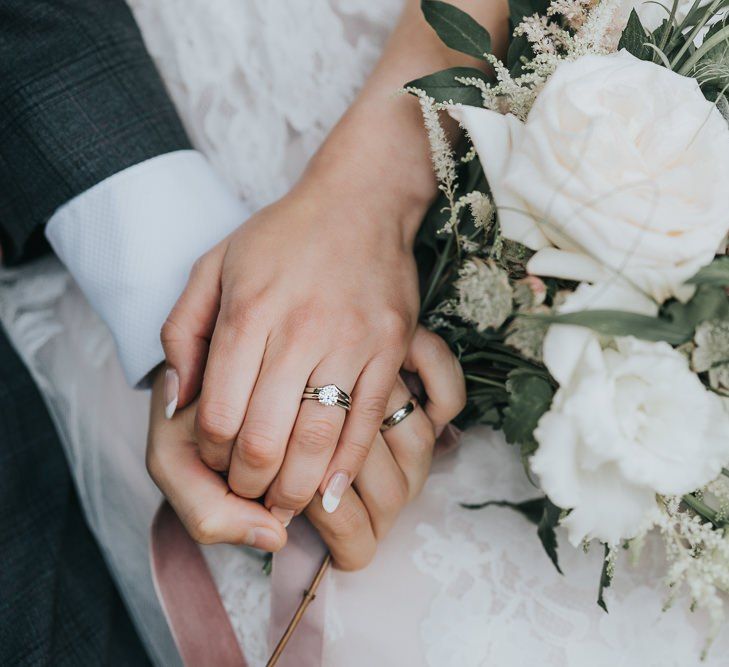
{"x":131,"y":240}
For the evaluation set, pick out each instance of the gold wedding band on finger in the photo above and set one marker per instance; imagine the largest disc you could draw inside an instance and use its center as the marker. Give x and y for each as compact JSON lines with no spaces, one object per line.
{"x":399,"y":415}
{"x":329,"y":395}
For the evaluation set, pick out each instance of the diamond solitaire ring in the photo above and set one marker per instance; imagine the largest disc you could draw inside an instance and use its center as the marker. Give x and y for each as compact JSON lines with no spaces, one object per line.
{"x":329,"y":395}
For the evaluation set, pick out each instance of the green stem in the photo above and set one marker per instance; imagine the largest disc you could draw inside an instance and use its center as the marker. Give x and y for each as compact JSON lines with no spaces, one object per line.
{"x":714,"y":40}
{"x":435,"y":276}
{"x":482,"y":380}
{"x":701,"y":508}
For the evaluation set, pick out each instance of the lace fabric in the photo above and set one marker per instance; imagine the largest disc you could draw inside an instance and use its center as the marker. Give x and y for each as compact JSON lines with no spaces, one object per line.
{"x":258,"y":84}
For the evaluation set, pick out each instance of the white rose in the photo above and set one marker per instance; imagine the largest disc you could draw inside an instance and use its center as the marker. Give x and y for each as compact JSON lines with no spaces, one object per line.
{"x":629,"y":421}
{"x":621,"y":167}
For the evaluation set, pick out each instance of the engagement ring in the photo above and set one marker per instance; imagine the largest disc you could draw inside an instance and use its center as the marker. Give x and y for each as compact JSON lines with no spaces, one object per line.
{"x":329,"y":395}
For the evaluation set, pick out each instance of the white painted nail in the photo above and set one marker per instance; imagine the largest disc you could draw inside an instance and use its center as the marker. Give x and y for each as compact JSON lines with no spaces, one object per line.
{"x":171,"y":393}
{"x":335,"y":490}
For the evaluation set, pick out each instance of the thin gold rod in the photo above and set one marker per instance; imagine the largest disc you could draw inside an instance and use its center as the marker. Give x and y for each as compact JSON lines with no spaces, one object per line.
{"x":309,"y":595}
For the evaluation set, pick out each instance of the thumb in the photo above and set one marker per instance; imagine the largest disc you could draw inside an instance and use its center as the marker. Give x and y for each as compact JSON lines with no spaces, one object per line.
{"x":187,"y":331}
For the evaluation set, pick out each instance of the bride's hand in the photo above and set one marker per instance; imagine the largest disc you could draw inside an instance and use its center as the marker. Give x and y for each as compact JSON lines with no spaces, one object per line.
{"x":393,"y":474}
{"x":312,"y":291}
{"x":319,"y":288}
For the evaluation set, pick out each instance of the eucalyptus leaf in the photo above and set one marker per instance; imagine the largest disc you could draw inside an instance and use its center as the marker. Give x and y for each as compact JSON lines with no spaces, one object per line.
{"x":456,"y":28}
{"x":716,"y":273}
{"x":621,"y":323}
{"x":443,"y":87}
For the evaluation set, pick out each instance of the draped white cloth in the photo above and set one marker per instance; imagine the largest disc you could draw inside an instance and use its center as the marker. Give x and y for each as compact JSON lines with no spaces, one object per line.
{"x":258,"y":84}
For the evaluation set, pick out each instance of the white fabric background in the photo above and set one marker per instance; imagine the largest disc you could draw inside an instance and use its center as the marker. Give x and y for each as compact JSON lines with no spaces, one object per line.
{"x":258,"y":84}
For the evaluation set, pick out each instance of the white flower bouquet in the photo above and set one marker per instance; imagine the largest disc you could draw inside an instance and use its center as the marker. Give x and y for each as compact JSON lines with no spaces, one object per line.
{"x":574,"y":261}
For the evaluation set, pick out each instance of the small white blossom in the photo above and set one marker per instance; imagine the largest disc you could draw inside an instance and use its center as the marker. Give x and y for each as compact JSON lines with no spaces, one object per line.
{"x":712,"y":352}
{"x":484,"y":294}
{"x":526,"y":334}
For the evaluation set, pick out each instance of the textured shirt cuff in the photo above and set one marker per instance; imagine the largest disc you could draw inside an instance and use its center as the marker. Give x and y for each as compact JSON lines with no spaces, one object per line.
{"x":131,"y":240}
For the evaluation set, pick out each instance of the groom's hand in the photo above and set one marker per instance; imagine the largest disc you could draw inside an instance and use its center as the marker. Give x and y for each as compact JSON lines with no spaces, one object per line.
{"x":208,"y":509}
{"x":399,"y":460}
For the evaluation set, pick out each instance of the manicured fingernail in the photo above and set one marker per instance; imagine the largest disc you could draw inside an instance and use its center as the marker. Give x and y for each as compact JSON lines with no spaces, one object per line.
{"x":284,"y":516}
{"x":264,"y":538}
{"x":335,"y":490}
{"x":172,"y":390}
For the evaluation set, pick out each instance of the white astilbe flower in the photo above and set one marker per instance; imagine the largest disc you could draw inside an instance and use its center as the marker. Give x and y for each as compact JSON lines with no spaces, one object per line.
{"x":484,"y":294}
{"x":698,"y":555}
{"x":544,"y":35}
{"x":441,"y":152}
{"x":481,"y":208}
{"x":574,"y":12}
{"x":712,"y":352}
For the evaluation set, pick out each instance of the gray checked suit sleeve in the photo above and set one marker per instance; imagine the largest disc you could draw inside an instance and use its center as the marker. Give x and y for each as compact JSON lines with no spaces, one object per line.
{"x":80,"y":100}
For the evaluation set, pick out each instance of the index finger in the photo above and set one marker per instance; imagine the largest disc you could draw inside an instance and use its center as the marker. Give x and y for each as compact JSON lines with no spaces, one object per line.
{"x":441,"y":374}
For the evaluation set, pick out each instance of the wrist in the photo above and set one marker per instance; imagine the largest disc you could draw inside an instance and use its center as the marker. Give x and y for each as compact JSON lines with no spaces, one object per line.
{"x":383,"y":174}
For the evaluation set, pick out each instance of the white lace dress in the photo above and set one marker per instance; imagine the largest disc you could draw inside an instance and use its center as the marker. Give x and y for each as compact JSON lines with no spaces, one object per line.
{"x":258,"y":84}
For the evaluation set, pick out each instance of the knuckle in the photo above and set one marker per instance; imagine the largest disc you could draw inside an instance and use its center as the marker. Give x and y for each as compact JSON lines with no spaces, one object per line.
{"x":394,"y":326}
{"x":243,"y":315}
{"x":217,"y":422}
{"x":256,"y":446}
{"x":305,"y":321}
{"x":293,"y":497}
{"x":357,"y":450}
{"x":215,"y":460}
{"x":347,"y":521}
{"x":172,"y":331}
{"x":205,"y":529}
{"x":352,"y":328}
{"x":317,"y":436}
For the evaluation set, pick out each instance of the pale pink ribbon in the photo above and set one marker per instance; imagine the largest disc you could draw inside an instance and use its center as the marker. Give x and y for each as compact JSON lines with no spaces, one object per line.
{"x":190,"y":600}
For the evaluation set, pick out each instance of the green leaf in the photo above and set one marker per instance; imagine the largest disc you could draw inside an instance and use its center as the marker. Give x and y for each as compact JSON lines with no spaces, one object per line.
{"x":620,"y":323}
{"x":545,"y":530}
{"x":716,"y":273}
{"x":709,"y":303}
{"x":634,"y":38}
{"x":443,"y":87}
{"x":605,"y":580}
{"x":519,"y":48}
{"x":529,"y":398}
{"x":532,"y":509}
{"x":518,"y":9}
{"x":457,"y":29}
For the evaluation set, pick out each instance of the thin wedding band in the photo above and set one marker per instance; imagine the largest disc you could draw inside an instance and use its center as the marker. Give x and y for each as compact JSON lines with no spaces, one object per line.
{"x":329,"y":395}
{"x":399,"y":415}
